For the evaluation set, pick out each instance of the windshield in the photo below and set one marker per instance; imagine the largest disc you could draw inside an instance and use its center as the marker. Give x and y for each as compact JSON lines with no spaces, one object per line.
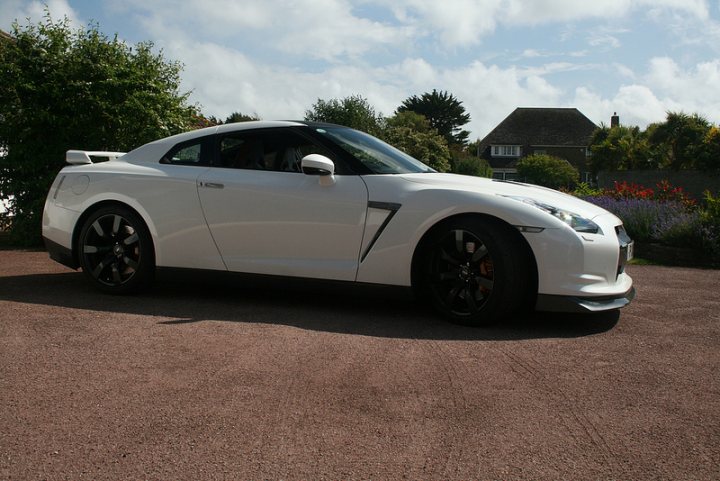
{"x":376,"y":155}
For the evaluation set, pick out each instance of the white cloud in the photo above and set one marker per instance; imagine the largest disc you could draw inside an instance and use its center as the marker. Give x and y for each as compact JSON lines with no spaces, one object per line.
{"x":20,"y":10}
{"x":320,"y":29}
{"x":624,"y":71}
{"x":635,"y":104}
{"x":224,"y":80}
{"x":664,"y":87}
{"x":237,"y":83}
{"x":554,"y":11}
{"x":454,"y":22}
{"x":465,"y":22}
{"x":695,"y":89}
{"x":276,"y":58}
{"x":533,"y":53}
{"x":604,"y":41}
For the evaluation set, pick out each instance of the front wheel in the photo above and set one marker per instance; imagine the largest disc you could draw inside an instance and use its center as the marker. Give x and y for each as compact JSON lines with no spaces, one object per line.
{"x":474,"y":270}
{"x":115,"y":250}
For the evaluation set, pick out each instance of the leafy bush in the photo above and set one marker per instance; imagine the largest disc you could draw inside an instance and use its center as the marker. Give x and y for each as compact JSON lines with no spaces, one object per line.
{"x":546,"y":170}
{"x":711,"y":212}
{"x":475,"y":166}
{"x":710,"y":229}
{"x":583,"y":189}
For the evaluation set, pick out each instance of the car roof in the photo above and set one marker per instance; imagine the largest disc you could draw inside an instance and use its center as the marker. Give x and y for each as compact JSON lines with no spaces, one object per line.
{"x":239,"y":126}
{"x":158,"y":147}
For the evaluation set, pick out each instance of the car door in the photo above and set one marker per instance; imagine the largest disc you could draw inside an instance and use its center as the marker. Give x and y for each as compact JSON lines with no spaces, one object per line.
{"x":168,"y":193}
{"x":267,"y":217}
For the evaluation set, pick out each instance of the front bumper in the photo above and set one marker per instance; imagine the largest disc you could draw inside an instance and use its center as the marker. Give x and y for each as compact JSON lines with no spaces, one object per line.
{"x":553,"y":303}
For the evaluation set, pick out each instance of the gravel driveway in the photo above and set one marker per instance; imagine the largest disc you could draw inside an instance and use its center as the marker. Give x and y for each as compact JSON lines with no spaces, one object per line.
{"x":212,"y":381}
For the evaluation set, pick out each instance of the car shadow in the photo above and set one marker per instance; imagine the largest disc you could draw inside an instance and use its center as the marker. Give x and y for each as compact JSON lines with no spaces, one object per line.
{"x":360,"y":310}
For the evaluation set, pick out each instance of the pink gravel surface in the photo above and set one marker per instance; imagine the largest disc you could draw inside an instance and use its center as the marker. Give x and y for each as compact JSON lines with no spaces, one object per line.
{"x":229,"y":381}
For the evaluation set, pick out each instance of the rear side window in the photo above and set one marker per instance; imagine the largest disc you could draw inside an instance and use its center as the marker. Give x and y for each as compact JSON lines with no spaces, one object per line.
{"x":192,"y":152}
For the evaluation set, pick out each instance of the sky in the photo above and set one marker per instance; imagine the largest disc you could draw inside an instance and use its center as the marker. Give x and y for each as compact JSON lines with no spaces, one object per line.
{"x":276,"y":58}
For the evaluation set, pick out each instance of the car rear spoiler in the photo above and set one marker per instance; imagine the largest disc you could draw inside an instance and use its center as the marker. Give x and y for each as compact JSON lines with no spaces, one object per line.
{"x":79,"y":157}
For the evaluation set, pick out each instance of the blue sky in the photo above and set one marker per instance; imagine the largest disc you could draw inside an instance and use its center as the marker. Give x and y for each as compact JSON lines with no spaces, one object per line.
{"x":275,"y":58}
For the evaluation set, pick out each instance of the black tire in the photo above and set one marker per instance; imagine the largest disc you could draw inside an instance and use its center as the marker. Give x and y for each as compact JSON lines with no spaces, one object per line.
{"x":115,"y":250}
{"x":474,"y":270}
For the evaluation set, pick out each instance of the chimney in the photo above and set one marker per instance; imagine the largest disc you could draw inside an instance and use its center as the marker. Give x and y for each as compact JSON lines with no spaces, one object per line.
{"x":614,"y":120}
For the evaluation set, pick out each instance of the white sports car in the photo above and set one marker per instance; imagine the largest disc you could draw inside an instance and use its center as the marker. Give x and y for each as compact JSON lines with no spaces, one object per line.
{"x":322,"y":201}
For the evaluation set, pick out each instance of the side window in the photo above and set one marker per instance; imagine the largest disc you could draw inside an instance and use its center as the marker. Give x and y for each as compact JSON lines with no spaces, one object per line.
{"x":186,"y":153}
{"x":277,"y":150}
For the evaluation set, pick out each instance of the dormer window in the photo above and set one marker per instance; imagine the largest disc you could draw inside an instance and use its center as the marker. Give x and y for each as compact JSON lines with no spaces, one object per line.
{"x":506,"y":151}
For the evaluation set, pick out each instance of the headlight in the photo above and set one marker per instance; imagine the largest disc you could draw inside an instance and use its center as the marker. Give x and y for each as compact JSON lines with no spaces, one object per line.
{"x":577,"y":222}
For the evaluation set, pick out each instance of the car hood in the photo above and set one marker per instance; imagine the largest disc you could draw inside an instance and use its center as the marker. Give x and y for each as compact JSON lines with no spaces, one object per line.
{"x":510,"y":189}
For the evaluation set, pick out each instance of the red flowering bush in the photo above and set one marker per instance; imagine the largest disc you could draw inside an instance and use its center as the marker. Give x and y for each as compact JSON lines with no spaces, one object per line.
{"x":625,"y":190}
{"x":666,"y":215}
{"x":664,"y":192}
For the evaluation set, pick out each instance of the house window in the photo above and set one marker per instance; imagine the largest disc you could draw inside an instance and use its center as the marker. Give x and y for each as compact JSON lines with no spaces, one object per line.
{"x":506,"y":151}
{"x":504,"y":174}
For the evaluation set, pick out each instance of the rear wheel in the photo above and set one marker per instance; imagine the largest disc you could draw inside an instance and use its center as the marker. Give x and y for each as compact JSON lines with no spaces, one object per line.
{"x":115,"y":250}
{"x":474,"y":270}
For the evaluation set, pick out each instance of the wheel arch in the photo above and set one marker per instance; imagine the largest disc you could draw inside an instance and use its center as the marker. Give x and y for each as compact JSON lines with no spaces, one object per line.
{"x":94,"y":208}
{"x":421,"y":245}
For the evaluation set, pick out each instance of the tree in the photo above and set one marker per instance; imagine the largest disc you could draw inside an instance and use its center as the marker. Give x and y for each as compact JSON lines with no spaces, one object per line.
{"x":411,"y":133}
{"x":62,"y":89}
{"x":684,"y":136}
{"x":621,"y":148}
{"x":240,"y":117}
{"x":200,"y":121}
{"x":353,"y":111}
{"x":445,"y":113}
{"x":547,"y":170}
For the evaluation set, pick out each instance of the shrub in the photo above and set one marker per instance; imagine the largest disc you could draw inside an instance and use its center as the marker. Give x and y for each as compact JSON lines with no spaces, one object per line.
{"x":665,"y":191}
{"x":677,"y":227}
{"x":584,"y":189}
{"x":666,"y":215}
{"x":638,"y":215}
{"x":469,"y":165}
{"x":711,"y":211}
{"x":546,"y":170}
{"x":654,"y":221}
{"x":710,"y":226}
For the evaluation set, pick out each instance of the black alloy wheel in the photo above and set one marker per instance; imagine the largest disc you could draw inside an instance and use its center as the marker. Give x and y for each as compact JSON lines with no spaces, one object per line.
{"x":475,"y":271}
{"x":115,"y":250}
{"x":462,"y":272}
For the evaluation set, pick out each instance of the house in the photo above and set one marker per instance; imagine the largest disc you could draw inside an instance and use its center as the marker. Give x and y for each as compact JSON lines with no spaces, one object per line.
{"x":561,"y":132}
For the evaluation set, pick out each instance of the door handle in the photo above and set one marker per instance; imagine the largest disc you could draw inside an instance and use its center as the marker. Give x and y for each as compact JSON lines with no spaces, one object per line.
{"x":212,"y":185}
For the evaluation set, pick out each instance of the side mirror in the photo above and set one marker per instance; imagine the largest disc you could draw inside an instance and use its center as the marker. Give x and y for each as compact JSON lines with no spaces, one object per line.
{"x":316,"y":164}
